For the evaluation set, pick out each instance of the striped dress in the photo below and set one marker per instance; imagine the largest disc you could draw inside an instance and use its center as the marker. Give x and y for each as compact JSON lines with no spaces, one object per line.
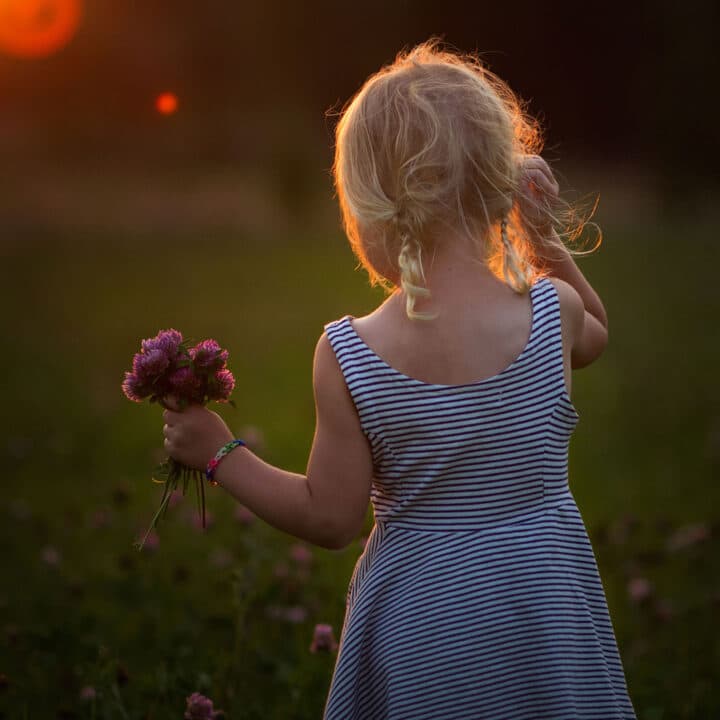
{"x":477,"y":594}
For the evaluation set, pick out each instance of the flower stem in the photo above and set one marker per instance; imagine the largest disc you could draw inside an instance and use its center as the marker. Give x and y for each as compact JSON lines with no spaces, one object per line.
{"x":175,"y":472}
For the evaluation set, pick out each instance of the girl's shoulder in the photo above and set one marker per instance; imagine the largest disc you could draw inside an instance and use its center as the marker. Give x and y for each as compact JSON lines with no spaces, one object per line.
{"x":572,"y":309}
{"x":371,"y":325}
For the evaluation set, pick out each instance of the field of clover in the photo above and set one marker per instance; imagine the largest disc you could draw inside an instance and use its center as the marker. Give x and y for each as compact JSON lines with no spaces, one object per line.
{"x":238,"y":620}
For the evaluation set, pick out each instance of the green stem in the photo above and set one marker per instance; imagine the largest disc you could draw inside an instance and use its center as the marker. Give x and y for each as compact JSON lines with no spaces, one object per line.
{"x":175,"y":472}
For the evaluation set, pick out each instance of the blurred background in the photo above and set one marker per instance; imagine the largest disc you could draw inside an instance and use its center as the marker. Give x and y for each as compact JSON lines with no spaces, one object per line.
{"x":167,"y":164}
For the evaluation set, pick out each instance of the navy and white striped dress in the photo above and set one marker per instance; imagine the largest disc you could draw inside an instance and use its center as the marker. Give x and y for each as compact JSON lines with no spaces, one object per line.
{"x":477,"y":594}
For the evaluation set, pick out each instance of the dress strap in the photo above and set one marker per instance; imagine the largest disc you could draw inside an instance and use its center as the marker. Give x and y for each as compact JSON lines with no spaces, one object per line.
{"x":551,"y":340}
{"x":357,"y":362}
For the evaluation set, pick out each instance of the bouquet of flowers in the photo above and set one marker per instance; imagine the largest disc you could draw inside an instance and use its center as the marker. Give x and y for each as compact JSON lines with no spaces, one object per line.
{"x":167,"y":365}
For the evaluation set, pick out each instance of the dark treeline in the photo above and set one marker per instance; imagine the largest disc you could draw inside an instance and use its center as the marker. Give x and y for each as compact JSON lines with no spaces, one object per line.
{"x":631,"y":81}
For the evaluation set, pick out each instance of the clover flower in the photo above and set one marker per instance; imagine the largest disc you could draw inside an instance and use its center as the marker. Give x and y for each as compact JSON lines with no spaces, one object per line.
{"x":166,"y":366}
{"x":323,"y":639}
{"x":87,"y":693}
{"x":166,"y":340}
{"x":301,"y":554}
{"x":184,"y":383}
{"x":200,"y":708}
{"x":220,"y":385}
{"x":208,"y":356}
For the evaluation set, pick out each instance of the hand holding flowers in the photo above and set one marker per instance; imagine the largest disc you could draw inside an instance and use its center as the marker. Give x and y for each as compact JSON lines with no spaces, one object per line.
{"x":182,"y":380}
{"x":193,"y":435}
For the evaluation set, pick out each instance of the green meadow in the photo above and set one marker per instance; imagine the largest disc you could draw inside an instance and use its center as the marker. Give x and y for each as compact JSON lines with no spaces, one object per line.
{"x":93,"y":628}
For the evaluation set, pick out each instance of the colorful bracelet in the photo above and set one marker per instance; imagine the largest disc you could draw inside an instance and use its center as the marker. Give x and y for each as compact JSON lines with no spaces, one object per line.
{"x":221,"y":453}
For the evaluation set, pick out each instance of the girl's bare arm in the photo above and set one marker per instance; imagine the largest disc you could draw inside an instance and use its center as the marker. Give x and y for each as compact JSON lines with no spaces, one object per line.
{"x":561,"y":265}
{"x":579,"y":302}
{"x":583,"y":318}
{"x":327,"y":506}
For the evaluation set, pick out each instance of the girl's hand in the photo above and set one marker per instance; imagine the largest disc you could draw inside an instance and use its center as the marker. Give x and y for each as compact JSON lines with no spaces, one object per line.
{"x":193,"y":435}
{"x":538,"y":190}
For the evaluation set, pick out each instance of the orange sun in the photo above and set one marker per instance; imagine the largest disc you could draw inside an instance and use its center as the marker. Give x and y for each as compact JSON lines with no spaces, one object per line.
{"x":37,"y":28}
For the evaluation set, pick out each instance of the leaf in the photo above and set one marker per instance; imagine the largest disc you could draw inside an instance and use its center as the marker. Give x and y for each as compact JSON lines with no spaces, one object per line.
{"x":160,"y":473}
{"x":232,"y":402}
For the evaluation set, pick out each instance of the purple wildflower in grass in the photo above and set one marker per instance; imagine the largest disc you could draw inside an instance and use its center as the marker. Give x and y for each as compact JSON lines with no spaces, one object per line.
{"x":687,"y":535}
{"x":208,"y":356}
{"x":199,"y":524}
{"x":152,"y":541}
{"x":295,"y":614}
{"x":87,"y":693}
{"x":200,"y":708}
{"x":50,"y":556}
{"x":639,"y":590}
{"x":323,"y":639}
{"x":99,"y":519}
{"x":301,"y":554}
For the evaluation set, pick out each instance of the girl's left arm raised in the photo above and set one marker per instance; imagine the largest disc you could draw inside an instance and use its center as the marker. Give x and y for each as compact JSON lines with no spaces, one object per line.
{"x":327,"y":506}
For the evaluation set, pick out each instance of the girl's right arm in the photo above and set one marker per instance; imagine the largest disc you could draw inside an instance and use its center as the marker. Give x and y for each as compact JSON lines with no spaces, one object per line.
{"x":579,"y":303}
{"x":581,"y":309}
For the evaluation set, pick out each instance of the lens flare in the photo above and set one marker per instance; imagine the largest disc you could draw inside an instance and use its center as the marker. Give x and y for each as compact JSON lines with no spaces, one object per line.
{"x":166,"y":103}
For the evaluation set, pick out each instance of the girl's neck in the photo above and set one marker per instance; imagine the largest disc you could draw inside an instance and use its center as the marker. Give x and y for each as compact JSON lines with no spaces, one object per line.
{"x":454,"y":277}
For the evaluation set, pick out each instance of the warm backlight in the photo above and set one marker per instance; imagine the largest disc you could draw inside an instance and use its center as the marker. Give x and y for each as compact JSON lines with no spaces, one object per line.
{"x":37,"y":28}
{"x":166,"y":103}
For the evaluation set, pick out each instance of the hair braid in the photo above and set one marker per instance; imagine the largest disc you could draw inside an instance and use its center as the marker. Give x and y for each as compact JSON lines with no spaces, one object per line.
{"x":412,"y":274}
{"x":515,"y":270}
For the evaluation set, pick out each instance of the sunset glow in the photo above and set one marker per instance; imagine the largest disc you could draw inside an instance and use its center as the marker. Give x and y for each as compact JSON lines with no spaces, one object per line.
{"x":166,"y":103}
{"x":37,"y":28}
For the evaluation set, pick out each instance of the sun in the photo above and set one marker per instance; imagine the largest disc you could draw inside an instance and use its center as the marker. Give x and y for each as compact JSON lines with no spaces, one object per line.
{"x":37,"y":28}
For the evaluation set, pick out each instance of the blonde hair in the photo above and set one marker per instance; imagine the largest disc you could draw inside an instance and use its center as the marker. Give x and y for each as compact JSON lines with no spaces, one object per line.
{"x":433,"y":142}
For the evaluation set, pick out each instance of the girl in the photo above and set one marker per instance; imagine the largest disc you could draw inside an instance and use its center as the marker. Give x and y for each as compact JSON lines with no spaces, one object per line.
{"x":477,"y":594}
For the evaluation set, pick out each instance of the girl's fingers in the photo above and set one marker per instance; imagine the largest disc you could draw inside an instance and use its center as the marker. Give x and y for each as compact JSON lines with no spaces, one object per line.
{"x":539,"y":170}
{"x":538,"y":180}
{"x":170,"y":402}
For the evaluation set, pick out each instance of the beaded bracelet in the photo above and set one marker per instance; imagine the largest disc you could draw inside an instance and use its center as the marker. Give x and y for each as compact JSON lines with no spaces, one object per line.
{"x":221,"y":453}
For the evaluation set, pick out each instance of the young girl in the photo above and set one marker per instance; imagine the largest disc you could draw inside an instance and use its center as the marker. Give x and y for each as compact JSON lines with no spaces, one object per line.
{"x":448,"y":407}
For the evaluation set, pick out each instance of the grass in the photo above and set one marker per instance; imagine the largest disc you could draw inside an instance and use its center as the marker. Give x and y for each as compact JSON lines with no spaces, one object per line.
{"x":147,"y":629}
